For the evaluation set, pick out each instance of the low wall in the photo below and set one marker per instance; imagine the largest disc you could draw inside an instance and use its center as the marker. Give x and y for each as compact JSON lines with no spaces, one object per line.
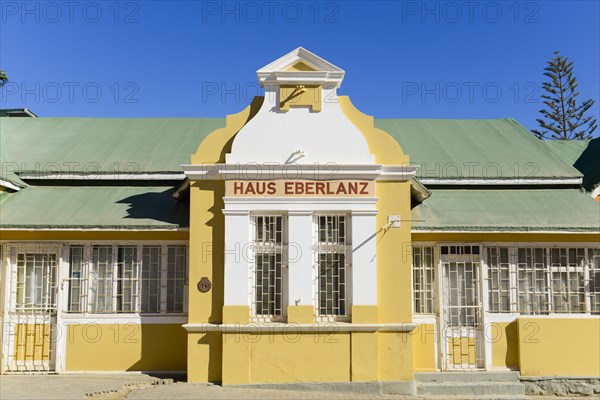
{"x":566,"y":347}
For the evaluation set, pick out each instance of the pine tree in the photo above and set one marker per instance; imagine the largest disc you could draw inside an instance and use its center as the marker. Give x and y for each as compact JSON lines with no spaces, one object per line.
{"x":3,"y":77}
{"x":563,"y":118}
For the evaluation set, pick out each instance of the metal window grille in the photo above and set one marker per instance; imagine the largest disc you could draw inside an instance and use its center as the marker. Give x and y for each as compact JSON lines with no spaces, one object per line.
{"x":499,"y":279}
{"x":176,"y":278}
{"x":36,"y":282}
{"x":532,"y":281}
{"x":568,"y":289}
{"x":333,"y":262}
{"x":462,"y":293}
{"x":424,"y":279}
{"x":269,"y":267}
{"x":77,"y":297}
{"x":151,"y":279}
{"x":127,"y":279}
{"x":593,"y":279}
{"x":101,"y":279}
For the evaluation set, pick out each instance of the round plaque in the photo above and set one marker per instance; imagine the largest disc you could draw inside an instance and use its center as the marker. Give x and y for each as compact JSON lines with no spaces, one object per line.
{"x":204,"y":285}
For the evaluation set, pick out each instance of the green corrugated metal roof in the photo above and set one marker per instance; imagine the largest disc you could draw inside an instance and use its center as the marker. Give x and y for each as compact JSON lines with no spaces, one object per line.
{"x":507,"y":210}
{"x":496,"y":148}
{"x":105,"y":144}
{"x":108,"y":207}
{"x":583,"y":155}
{"x":569,"y":150}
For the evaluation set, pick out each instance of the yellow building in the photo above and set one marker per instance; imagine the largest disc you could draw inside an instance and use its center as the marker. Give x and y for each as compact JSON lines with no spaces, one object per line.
{"x":296,"y":242}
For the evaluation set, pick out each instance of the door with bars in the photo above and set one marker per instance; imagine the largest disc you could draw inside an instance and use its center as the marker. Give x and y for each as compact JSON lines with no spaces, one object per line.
{"x":30,"y":326}
{"x":462,"y":328}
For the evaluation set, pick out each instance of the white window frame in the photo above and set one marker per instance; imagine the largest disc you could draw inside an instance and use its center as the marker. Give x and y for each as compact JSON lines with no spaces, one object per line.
{"x":283,"y":248}
{"x":347,"y":316}
{"x":433,"y":292}
{"x":549,"y":270}
{"x":85,"y":310}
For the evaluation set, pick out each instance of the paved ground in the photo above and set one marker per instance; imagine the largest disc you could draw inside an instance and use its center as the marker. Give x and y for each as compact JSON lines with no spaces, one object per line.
{"x":190,"y":391}
{"x":46,"y":387}
{"x":138,"y":386}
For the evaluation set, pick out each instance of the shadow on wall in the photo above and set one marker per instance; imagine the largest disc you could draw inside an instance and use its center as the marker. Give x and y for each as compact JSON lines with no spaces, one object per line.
{"x":588,"y":165}
{"x":512,"y":345}
{"x":158,"y":206}
{"x":162,"y":347}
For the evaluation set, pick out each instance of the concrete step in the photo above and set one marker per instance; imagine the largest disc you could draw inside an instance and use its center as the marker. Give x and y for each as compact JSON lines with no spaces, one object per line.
{"x":470,"y":389}
{"x":475,"y":376}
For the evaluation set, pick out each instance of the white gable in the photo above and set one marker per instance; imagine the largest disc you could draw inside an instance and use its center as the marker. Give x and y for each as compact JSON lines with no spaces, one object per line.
{"x":300,"y":135}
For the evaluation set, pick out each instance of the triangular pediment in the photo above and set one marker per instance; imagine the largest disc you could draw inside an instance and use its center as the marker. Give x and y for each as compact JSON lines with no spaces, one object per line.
{"x":300,"y":66}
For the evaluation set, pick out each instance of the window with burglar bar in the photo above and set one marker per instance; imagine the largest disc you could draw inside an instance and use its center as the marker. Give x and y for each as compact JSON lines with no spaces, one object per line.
{"x":269,"y":267}
{"x":532,"y":280}
{"x":36,"y":282}
{"x":424,"y":279}
{"x":127,"y":279}
{"x":332,"y":253}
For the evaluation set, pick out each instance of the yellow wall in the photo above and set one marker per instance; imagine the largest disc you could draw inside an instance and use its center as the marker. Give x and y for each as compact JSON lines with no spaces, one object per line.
{"x":505,"y":344}
{"x":295,"y":357}
{"x":126,"y":347}
{"x":424,"y":354}
{"x":559,"y":346}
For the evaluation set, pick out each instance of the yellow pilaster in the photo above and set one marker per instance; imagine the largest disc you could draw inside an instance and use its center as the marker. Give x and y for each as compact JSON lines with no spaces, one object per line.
{"x":207,"y":236}
{"x":236,"y":346}
{"x":364,"y":367}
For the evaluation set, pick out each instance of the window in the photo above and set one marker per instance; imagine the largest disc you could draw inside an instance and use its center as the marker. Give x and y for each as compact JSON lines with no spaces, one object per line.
{"x":36,"y":281}
{"x":333,"y":262}
{"x":151,"y":266}
{"x":101,"y":279}
{"x":499,"y":279}
{"x":76,"y":274}
{"x":127,"y":279}
{"x":532,"y":280}
{"x":460,"y":285}
{"x":424,"y":279}
{"x":176,"y":279}
{"x":593,"y":280}
{"x":532,"y":275}
{"x":567,"y":269}
{"x":270,"y":250}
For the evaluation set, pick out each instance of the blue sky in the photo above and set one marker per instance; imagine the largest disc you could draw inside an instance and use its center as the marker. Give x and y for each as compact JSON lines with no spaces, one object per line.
{"x":406,"y":59}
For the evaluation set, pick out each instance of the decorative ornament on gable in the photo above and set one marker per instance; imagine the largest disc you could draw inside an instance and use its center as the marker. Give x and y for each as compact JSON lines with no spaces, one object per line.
{"x":301,"y":77}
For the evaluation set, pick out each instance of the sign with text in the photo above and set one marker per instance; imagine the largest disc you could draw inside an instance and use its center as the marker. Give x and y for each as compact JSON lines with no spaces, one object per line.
{"x":289,"y":188}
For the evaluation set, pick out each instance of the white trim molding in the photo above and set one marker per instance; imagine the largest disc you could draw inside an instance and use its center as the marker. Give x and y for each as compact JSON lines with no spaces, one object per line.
{"x":105,"y":176}
{"x":432,"y":181}
{"x":272,"y":171}
{"x":9,"y":185}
